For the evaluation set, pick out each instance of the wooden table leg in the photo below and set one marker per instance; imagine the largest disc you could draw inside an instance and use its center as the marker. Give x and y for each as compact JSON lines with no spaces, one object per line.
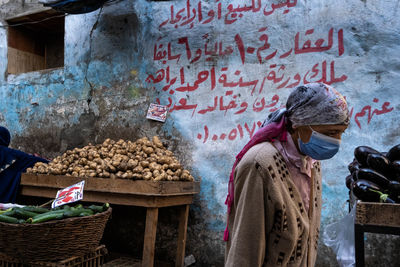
{"x":359,"y":245}
{"x":180,"y":251}
{"x":150,"y":237}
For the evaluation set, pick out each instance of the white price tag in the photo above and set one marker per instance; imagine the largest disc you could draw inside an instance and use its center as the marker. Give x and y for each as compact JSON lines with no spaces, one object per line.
{"x":70,"y":194}
{"x":157,"y":112}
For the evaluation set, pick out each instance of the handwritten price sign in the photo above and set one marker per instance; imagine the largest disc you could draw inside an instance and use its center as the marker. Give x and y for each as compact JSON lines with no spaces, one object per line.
{"x":70,"y":194}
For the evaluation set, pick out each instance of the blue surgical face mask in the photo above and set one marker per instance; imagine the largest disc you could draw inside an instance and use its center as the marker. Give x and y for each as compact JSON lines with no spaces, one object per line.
{"x":319,"y":146}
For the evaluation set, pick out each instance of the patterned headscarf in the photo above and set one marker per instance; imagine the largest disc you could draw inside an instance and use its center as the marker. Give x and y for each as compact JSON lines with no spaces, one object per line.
{"x":316,"y":104}
{"x":310,"y":104}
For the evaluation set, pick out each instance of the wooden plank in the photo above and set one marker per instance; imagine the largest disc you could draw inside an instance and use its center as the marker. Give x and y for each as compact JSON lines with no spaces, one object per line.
{"x":136,"y":187}
{"x":25,"y":41}
{"x":21,"y":61}
{"x":182,"y":230}
{"x":150,"y":237}
{"x":383,"y":214}
{"x":114,"y":198}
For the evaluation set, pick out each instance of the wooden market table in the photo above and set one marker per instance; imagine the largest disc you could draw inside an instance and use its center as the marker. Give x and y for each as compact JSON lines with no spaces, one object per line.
{"x":381,"y":218}
{"x":149,"y":194}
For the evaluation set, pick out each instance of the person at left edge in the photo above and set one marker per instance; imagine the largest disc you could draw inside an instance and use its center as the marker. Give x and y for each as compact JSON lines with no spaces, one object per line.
{"x":12,"y":163}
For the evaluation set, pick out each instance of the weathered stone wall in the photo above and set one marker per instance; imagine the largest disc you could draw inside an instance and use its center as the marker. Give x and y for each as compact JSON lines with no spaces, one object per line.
{"x":221,"y":67}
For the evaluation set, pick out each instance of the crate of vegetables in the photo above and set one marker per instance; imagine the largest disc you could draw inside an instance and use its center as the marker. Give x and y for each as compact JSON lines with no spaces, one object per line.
{"x":32,"y":233}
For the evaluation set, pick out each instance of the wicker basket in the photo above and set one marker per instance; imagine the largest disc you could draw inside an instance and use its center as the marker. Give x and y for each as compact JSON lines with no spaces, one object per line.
{"x":94,"y":258}
{"x":53,"y":240}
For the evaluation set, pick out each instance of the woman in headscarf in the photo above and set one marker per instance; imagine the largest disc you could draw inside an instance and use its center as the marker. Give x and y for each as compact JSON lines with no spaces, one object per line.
{"x":12,"y":163}
{"x":274,"y":195}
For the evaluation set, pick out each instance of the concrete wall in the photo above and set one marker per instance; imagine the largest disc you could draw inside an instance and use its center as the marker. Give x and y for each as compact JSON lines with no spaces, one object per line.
{"x":220,"y":67}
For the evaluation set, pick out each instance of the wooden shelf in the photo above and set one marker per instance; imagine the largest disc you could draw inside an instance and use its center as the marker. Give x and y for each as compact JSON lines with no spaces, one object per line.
{"x":125,"y":186}
{"x":114,"y":191}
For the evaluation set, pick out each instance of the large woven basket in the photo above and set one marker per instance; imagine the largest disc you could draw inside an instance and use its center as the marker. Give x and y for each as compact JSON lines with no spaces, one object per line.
{"x":53,"y":240}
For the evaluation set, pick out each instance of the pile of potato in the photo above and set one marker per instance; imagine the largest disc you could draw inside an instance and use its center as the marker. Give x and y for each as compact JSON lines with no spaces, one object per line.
{"x":141,"y":160}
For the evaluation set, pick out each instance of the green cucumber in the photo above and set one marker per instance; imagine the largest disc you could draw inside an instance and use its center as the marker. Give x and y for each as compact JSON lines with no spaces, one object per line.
{"x":35,"y":209}
{"x":8,"y":219}
{"x":96,"y":208}
{"x":20,"y":213}
{"x":44,"y":217}
{"x":39,"y":216}
{"x":85,"y":213}
{"x":77,"y":212}
{"x":72,"y":213}
{"x":106,"y":206}
{"x":4,"y":211}
{"x":10,"y":213}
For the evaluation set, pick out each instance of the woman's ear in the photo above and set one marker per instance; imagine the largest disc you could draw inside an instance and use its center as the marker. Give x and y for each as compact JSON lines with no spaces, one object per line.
{"x":304,"y":132}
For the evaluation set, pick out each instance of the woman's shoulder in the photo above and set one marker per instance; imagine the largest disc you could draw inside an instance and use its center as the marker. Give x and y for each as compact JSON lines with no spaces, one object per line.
{"x":262,"y":153}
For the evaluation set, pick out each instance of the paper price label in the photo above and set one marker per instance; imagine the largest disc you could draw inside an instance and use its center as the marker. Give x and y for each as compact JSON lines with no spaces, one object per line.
{"x":157,"y":112}
{"x":69,"y":194}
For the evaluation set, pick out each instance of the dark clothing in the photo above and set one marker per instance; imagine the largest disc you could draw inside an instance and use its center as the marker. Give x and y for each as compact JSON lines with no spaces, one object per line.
{"x":12,"y":163}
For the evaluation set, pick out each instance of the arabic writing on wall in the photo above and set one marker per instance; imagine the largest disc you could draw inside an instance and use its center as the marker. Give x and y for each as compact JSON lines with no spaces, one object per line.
{"x":164,"y":53}
{"x":246,"y":130}
{"x":275,"y":75}
{"x":193,"y":14}
{"x":229,"y":87}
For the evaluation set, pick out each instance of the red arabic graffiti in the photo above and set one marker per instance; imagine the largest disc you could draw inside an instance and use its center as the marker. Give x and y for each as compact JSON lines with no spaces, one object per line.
{"x":238,"y":131}
{"x":220,"y":103}
{"x":164,"y":52}
{"x":247,"y":130}
{"x":192,"y":14}
{"x":320,"y":72}
{"x":367,"y":110}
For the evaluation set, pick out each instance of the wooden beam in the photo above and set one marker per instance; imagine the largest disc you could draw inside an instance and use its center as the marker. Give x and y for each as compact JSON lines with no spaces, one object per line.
{"x":136,"y":187}
{"x":180,"y":250}
{"x":150,"y":237}
{"x":113,"y":198}
{"x":384,"y":214}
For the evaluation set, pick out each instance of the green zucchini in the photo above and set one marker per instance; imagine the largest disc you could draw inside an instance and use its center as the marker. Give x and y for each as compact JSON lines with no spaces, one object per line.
{"x":8,"y":219}
{"x":96,"y":208}
{"x":77,"y":212}
{"x":35,"y":209}
{"x":39,"y":216}
{"x":44,"y":217}
{"x":86,"y":213}
{"x":25,"y":214}
{"x":4,"y":211}
{"x":10,"y":213}
{"x":106,"y":206}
